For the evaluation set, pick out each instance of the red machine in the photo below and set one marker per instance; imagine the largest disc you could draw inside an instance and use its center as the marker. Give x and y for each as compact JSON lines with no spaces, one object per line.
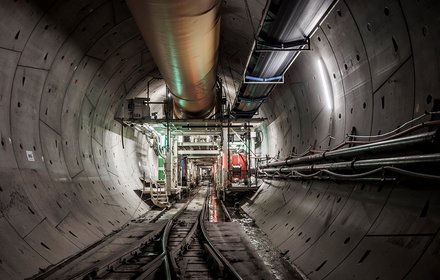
{"x":239,"y":166}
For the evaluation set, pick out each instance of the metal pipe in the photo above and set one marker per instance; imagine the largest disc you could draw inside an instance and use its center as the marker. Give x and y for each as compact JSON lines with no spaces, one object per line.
{"x":376,"y":147}
{"x":359,"y":164}
{"x":183,"y":38}
{"x":394,"y":136}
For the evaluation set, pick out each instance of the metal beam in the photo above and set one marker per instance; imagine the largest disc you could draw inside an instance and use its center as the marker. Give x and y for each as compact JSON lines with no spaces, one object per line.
{"x":196,"y":144}
{"x":198,"y":152}
{"x":224,"y":122}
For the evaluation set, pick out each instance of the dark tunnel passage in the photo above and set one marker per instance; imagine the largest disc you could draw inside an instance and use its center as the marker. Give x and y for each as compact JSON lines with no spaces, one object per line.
{"x":69,"y":170}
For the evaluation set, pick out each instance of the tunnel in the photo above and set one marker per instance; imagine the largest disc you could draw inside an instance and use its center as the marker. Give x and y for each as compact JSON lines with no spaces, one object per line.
{"x":363,"y":72}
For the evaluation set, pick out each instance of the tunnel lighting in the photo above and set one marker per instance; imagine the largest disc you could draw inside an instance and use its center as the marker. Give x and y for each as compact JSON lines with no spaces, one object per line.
{"x":262,"y":79}
{"x":325,"y":85}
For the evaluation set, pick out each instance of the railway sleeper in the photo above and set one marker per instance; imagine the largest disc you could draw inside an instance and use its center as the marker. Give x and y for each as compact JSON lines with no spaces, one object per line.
{"x":214,"y":263}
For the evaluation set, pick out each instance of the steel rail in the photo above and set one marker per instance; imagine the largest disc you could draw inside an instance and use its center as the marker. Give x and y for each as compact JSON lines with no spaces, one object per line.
{"x":65,"y":262}
{"x":147,"y":269}
{"x":229,"y":270}
{"x":163,"y":258}
{"x":171,"y":255}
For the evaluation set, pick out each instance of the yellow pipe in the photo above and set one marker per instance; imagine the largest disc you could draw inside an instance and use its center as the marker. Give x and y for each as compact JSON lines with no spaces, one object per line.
{"x":183,"y":38}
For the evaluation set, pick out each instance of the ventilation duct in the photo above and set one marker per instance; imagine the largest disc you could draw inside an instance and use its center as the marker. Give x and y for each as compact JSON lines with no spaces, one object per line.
{"x":183,"y":38}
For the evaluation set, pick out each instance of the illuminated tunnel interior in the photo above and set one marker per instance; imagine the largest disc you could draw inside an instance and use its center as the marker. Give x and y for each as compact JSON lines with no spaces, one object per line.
{"x":69,"y":169}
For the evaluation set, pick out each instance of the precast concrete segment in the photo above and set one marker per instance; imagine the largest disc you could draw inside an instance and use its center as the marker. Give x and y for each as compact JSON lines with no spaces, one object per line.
{"x":109,"y":250}
{"x":364,"y":225}
{"x":72,"y":59}
{"x":373,"y":54}
{"x":231,"y":241}
{"x":66,"y":181}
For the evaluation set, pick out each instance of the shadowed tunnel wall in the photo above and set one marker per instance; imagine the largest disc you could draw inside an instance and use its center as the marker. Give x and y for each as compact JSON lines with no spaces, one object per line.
{"x":66,"y":180}
{"x":382,"y":64}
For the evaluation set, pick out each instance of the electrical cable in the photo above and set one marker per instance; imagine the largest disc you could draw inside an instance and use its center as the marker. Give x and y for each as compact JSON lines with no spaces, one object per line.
{"x":406,"y":131}
{"x":360,"y":175}
{"x":397,"y":129}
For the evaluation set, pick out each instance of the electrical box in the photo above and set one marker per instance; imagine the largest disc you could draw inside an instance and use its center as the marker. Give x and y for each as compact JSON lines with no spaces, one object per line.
{"x":135,"y":109}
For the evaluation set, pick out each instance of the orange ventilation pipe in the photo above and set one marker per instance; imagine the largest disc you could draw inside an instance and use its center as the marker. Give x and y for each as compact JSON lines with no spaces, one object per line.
{"x":183,"y":38}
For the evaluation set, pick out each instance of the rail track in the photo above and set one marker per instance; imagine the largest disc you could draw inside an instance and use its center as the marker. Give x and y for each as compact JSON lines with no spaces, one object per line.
{"x":178,"y":248}
{"x":182,"y":250}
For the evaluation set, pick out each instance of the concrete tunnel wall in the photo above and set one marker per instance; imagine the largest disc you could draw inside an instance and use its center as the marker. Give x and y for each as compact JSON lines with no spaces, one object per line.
{"x":382,"y":63}
{"x":65,"y":179}
{"x":66,"y":65}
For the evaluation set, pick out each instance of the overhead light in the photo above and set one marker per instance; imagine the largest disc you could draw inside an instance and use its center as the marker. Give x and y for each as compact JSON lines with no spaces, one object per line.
{"x":325,"y":85}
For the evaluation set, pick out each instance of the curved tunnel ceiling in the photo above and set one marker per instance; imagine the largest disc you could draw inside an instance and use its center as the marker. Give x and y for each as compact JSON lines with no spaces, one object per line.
{"x":67,"y":180}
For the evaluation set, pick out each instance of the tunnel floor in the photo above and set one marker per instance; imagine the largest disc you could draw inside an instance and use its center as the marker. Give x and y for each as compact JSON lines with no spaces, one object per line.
{"x":240,"y":241}
{"x":270,"y":255}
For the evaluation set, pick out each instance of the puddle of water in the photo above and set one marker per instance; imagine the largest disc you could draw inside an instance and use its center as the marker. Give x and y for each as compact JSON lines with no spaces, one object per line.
{"x":271,"y":256}
{"x":215,"y":210}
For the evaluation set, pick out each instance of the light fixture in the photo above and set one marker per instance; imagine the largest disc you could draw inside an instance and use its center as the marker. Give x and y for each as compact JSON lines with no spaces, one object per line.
{"x":325,"y":85}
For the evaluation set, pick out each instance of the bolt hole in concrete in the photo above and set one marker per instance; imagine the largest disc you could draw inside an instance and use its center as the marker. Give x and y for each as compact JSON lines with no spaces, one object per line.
{"x":275,"y":260}
{"x":425,"y":30}
{"x":369,"y":27}
{"x":396,"y":47}
{"x":321,"y":265}
{"x":429,"y":99}
{"x":45,"y":246}
{"x":364,"y":256}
